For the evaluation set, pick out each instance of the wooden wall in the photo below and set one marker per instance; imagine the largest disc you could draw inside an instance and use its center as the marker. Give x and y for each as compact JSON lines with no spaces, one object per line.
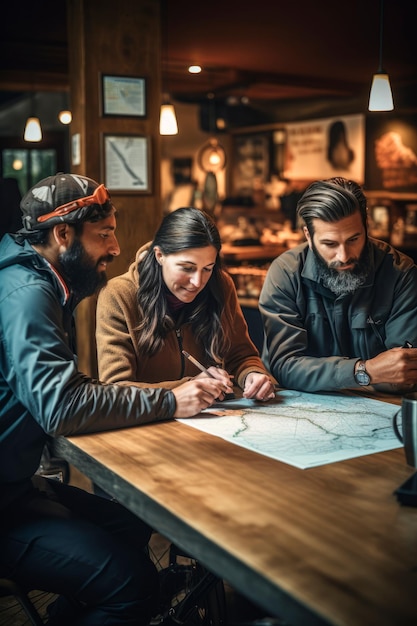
{"x":114,"y":38}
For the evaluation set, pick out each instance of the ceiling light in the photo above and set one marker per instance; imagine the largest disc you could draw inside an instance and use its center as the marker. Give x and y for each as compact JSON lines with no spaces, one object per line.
{"x":194,"y":69}
{"x":65,"y":117}
{"x":33,"y":131}
{"x":380,"y":98}
{"x":168,"y":120}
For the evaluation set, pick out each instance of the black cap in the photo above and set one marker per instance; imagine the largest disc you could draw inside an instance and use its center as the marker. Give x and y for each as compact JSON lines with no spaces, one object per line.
{"x":52,"y":192}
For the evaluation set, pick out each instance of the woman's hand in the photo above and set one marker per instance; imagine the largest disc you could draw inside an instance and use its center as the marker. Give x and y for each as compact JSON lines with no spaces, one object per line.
{"x":258,"y":386}
{"x":198,"y":394}
{"x":218,"y":374}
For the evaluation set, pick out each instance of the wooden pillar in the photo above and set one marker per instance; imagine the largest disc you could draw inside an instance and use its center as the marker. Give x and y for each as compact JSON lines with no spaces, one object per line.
{"x":114,"y":39}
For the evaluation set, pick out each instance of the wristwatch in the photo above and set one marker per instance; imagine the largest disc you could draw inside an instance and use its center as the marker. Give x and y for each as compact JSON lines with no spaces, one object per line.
{"x":361,"y":375}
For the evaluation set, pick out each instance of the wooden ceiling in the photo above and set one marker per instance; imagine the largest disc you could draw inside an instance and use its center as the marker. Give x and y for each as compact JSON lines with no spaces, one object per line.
{"x":260,"y":50}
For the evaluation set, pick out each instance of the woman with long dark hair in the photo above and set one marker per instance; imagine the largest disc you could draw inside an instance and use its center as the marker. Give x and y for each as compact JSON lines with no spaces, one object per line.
{"x":176,"y":297}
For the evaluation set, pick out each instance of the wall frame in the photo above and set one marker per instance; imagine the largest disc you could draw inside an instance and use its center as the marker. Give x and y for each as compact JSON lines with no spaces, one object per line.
{"x":391,"y":152}
{"x":251,"y":160}
{"x":325,"y":147}
{"x":127,"y":162}
{"x":123,"y":96}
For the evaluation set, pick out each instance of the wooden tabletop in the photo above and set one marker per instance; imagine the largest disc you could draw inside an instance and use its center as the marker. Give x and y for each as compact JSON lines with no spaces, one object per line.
{"x":327,"y":545}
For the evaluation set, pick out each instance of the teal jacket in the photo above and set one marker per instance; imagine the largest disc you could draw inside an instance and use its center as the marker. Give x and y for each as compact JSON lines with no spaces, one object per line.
{"x":313,"y":338}
{"x":42,"y":393}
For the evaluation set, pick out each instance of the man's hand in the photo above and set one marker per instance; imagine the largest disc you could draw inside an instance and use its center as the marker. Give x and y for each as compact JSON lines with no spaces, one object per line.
{"x":397,"y":366}
{"x":197,"y":394}
{"x":258,"y":386}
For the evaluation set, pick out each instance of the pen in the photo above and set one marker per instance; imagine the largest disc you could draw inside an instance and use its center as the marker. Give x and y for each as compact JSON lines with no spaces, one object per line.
{"x":196,"y":363}
{"x":227,"y":395}
{"x":407,"y":344}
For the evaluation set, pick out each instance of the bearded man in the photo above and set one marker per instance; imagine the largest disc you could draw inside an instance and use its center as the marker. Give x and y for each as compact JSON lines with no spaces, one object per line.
{"x":339,"y":309}
{"x":89,"y":550}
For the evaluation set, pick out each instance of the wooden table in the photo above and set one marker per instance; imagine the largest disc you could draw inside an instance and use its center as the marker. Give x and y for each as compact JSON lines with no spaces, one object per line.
{"x":328,"y":545}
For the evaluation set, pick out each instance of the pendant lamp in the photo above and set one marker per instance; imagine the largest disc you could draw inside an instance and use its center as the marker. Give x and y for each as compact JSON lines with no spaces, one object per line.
{"x":380,"y":98}
{"x":168,"y":120}
{"x":33,"y":131}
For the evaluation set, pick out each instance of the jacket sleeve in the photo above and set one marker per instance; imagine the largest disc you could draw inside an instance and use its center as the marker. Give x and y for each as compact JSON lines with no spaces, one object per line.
{"x":286,"y":350}
{"x":42,"y":374}
{"x":242,"y":357}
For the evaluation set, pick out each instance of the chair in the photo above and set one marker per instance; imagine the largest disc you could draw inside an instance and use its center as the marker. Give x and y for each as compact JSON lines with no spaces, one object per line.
{"x":9,"y":587}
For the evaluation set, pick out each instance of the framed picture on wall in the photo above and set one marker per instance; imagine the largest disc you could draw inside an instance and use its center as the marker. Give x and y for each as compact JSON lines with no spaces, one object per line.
{"x":127,"y":163}
{"x":123,"y":96}
{"x":325,"y":147}
{"x":251,"y":162}
{"x":391,"y":153}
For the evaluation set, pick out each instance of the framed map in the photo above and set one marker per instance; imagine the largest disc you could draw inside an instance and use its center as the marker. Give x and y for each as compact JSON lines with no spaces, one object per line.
{"x":123,"y":96}
{"x":127,"y":163}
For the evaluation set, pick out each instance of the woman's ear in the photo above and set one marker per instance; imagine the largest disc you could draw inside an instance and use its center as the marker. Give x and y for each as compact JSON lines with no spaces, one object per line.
{"x":158,"y":254}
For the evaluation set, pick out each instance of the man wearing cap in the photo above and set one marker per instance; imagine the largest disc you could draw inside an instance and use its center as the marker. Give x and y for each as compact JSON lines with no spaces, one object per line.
{"x":53,"y":536}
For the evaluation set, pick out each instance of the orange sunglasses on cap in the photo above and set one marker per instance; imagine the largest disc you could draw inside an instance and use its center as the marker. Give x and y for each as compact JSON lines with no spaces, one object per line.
{"x":100,"y":196}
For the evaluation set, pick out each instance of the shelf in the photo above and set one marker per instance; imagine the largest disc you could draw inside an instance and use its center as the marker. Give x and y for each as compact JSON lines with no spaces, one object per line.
{"x":248,"y":253}
{"x":401,"y":196}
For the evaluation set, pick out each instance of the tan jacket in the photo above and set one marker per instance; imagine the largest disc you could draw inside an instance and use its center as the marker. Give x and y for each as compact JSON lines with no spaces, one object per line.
{"x":119,"y":360}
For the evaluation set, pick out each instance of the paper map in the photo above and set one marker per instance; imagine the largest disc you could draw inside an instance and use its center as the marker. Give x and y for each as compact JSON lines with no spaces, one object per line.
{"x":304,"y":429}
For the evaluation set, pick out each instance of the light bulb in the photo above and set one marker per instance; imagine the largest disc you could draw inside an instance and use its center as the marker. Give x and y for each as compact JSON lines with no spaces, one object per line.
{"x":214,"y":157}
{"x":17,"y":164}
{"x":65,"y":117}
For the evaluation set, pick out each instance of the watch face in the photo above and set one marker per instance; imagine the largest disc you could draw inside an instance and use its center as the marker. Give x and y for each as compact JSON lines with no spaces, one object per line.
{"x":362,"y":377}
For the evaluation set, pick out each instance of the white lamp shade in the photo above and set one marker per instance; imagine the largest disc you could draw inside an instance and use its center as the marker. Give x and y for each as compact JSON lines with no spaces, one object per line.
{"x":380,"y":98}
{"x":33,"y":131}
{"x":168,"y":121}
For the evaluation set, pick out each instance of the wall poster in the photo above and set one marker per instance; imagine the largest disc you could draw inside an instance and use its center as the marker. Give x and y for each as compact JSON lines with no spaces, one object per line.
{"x":391,"y":154}
{"x":251,"y":162}
{"x":324,"y":148}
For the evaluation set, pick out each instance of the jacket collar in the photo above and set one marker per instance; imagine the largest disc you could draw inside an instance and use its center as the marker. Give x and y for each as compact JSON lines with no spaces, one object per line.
{"x":61,"y":282}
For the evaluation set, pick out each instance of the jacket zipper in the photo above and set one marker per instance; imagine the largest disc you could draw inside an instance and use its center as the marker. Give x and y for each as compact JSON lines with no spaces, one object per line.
{"x":179,"y":340}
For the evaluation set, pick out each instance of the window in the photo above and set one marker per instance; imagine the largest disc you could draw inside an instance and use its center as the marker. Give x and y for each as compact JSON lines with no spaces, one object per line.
{"x":28,"y":166}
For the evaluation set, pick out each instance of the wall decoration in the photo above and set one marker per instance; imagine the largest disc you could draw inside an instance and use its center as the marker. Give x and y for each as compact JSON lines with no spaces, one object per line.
{"x":127,"y":163}
{"x":76,"y":149}
{"x":391,"y":153}
{"x":324,"y":148}
{"x":251,"y":162}
{"x":123,"y":96}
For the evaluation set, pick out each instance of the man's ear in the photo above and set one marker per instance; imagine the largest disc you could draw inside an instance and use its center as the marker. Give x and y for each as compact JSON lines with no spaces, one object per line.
{"x":63,"y":234}
{"x":307,"y":235}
